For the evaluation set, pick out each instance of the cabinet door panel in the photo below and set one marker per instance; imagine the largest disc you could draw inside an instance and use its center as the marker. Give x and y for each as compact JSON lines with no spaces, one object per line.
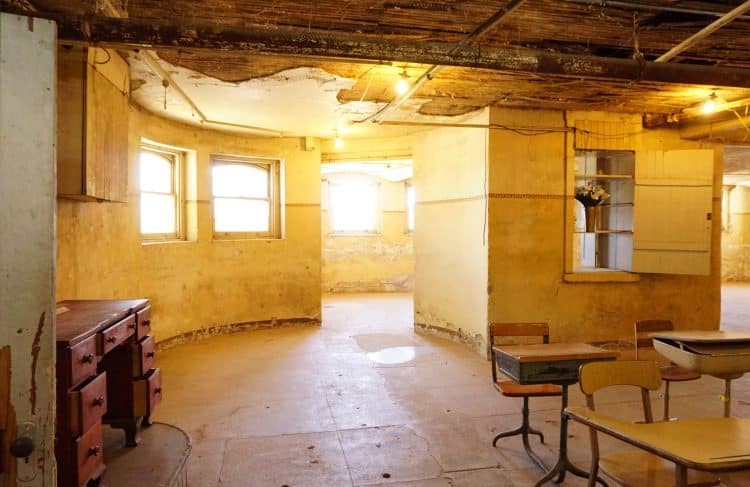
{"x":106,"y":164}
{"x":672,"y":212}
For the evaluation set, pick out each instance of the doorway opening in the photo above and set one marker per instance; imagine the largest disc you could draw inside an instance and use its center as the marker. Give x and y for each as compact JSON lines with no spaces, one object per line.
{"x":735,"y":239}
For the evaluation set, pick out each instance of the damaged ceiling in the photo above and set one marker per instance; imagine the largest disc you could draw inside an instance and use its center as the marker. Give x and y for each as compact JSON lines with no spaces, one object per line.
{"x":312,"y":68}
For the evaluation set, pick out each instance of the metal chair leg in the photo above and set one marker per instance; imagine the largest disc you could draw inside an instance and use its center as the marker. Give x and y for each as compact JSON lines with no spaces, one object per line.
{"x":666,"y":400}
{"x":524,"y":430}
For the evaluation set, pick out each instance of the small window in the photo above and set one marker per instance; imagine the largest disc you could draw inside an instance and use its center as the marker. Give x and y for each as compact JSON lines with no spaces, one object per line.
{"x":354,"y":206}
{"x":410,"y":204}
{"x":245,"y":198}
{"x":161,"y":198}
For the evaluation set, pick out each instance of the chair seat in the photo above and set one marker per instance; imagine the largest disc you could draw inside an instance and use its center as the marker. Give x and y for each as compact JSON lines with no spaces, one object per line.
{"x":512,"y":388}
{"x":641,"y":469}
{"x":675,"y":373}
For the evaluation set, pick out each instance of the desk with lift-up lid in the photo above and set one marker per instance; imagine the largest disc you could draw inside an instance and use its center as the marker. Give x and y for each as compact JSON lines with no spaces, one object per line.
{"x":105,"y":374}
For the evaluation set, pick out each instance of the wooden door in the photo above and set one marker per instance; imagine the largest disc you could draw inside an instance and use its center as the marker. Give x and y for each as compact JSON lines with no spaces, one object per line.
{"x":27,"y":247}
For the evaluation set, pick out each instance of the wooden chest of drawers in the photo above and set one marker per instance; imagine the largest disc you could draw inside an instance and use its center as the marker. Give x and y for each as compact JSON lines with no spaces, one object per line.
{"x":105,"y":373}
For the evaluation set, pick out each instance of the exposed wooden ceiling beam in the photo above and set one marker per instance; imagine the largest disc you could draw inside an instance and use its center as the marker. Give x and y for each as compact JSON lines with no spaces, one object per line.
{"x":139,"y":33}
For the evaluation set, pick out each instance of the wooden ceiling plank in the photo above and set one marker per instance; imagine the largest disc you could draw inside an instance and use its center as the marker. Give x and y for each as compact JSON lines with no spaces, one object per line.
{"x":167,"y":33}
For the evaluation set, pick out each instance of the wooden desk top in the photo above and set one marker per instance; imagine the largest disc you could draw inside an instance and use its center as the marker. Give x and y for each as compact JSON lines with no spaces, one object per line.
{"x":704,"y":444}
{"x":78,"y":320}
{"x":547,"y":352}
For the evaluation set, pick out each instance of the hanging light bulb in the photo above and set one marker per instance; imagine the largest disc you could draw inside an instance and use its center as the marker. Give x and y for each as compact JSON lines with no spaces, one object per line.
{"x":710,"y":105}
{"x":338,"y":141}
{"x":402,"y":85}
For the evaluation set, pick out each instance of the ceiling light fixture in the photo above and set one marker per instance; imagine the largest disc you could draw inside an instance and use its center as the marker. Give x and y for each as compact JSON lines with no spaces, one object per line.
{"x":402,"y":85}
{"x":709,"y":106}
{"x":338,"y":141}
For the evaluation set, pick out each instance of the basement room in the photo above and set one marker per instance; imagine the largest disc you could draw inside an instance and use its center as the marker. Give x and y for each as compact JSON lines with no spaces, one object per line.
{"x":390,"y":242}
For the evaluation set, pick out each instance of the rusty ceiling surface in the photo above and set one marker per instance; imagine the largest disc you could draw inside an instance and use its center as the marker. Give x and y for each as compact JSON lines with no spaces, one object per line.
{"x":642,"y":29}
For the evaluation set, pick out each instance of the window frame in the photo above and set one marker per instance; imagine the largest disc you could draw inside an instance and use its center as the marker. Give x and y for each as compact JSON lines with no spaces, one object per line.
{"x":274,"y":196}
{"x":342,"y":179}
{"x":178,"y":189}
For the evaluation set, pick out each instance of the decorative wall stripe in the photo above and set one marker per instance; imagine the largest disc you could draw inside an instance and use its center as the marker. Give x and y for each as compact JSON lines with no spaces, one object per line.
{"x":528,"y":196}
{"x":452,"y":200}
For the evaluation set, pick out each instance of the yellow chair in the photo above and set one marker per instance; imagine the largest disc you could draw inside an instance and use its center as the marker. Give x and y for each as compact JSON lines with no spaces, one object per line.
{"x":511,"y":388}
{"x":631,"y":468}
{"x":669,"y":373}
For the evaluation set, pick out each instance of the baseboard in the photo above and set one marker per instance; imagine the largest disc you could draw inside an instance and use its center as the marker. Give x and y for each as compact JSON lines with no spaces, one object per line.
{"x":195,"y":335}
{"x":476,"y":343}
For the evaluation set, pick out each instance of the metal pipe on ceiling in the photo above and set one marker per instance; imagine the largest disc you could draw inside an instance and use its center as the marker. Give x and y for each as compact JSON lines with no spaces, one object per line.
{"x":432,"y":71}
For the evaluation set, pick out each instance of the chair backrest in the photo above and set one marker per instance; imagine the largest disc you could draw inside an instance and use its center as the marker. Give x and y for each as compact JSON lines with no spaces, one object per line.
{"x":643,"y":327}
{"x":594,"y":376}
{"x":644,"y":374}
{"x":539,"y":329}
{"x":516,"y":330}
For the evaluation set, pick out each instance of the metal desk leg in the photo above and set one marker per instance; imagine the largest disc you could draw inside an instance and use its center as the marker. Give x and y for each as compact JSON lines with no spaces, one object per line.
{"x":563,"y":464}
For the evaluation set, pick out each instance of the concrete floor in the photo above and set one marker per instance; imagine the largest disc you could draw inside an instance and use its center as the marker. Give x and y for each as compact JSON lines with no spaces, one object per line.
{"x":310,"y":406}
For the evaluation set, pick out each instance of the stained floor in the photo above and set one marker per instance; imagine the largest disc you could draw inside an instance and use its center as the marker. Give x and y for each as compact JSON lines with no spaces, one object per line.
{"x":363,"y":400}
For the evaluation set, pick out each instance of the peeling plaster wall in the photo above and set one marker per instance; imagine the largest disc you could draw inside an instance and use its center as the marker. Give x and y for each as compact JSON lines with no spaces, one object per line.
{"x":527,"y":241}
{"x":198,"y":285}
{"x":382,"y":262}
{"x":450,"y":245}
{"x":735,"y":242}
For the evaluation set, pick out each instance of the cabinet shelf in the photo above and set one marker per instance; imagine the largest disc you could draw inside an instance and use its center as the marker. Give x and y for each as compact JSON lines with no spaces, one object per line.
{"x":603,"y":176}
{"x":602,"y":232}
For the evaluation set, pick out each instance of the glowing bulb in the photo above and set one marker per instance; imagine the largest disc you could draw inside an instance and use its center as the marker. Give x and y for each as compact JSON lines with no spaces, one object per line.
{"x":710,"y":105}
{"x":402,"y":85}
{"x":338,"y":142}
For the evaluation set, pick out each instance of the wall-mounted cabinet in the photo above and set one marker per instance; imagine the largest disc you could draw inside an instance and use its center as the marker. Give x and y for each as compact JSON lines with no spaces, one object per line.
{"x":92,"y":124}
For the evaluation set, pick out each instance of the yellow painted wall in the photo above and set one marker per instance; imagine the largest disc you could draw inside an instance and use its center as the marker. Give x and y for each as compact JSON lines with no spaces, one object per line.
{"x":199,"y":284}
{"x":528,"y":243}
{"x":450,"y":243}
{"x":380,"y":262}
{"x":735,"y":242}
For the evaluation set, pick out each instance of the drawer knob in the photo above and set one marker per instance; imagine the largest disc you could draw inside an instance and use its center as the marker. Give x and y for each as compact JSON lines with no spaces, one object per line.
{"x":157,"y":391}
{"x":131,"y":325}
{"x":94,"y":451}
{"x":150,"y":354}
{"x":98,"y":401}
{"x":88,"y":358}
{"x":111,"y":339}
{"x":146,"y":322}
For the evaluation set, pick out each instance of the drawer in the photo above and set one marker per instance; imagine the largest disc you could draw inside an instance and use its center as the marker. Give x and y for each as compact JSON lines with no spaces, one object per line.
{"x":144,"y":355}
{"x":147,"y":393}
{"x":143,"y":319}
{"x":89,"y":453}
{"x":88,"y":404}
{"x":115,"y":335}
{"x":83,"y":361}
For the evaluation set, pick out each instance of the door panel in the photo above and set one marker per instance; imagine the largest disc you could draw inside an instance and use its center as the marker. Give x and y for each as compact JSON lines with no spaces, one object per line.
{"x":27,"y":241}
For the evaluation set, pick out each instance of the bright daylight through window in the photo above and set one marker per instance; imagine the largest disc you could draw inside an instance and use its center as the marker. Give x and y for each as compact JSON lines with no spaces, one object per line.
{"x":354,"y":206}
{"x":245,"y":197}
{"x":160,"y":195}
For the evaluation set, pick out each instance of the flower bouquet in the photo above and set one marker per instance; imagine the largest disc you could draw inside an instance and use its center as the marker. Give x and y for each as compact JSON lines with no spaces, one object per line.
{"x":591,"y":196}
